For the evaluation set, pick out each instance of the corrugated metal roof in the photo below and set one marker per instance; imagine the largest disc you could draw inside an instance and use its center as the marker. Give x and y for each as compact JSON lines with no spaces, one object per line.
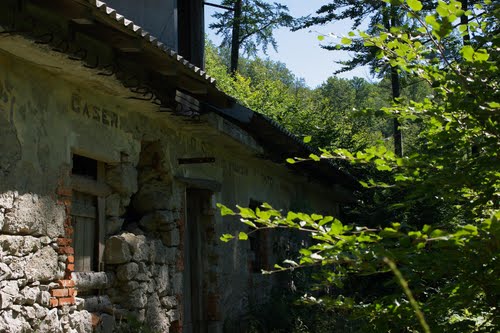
{"x":260,"y":126}
{"x":122,"y":22}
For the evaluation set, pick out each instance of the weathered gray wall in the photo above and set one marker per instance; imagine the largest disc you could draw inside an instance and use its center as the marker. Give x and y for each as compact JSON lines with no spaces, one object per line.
{"x":51,"y":107}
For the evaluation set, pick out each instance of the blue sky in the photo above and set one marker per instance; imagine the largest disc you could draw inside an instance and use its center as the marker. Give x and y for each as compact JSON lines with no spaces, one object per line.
{"x":300,"y":50}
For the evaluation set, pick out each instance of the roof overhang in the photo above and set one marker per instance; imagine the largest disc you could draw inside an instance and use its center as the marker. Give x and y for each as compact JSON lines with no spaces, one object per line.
{"x":120,"y":48}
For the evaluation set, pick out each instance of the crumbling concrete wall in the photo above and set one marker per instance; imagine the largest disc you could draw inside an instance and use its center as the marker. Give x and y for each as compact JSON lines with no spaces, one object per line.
{"x":46,"y":114}
{"x":32,"y":216}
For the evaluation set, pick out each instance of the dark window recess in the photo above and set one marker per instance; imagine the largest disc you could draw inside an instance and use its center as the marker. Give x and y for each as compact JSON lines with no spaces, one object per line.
{"x":84,"y":166}
{"x":258,"y":245}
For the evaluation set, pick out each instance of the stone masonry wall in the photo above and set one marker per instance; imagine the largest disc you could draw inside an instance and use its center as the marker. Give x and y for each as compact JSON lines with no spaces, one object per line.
{"x":33,"y":269}
{"x":144,"y":256}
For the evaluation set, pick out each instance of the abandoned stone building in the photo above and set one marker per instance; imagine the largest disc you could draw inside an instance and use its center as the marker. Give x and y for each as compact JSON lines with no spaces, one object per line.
{"x":114,"y":150}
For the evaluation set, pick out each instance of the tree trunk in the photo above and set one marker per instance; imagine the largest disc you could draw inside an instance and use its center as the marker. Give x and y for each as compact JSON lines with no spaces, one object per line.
{"x":396,"y":93}
{"x":464,"y":19}
{"x":235,"y":38}
{"x":390,"y":20}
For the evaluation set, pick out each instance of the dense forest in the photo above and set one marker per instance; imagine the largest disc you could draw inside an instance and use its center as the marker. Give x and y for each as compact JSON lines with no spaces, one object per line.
{"x":338,"y":114}
{"x":419,"y":252}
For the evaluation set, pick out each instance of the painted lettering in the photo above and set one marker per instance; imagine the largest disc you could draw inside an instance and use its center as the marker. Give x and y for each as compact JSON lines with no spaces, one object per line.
{"x":86,"y":112}
{"x":75,"y":103}
{"x":105,"y":117}
{"x":114,"y":120}
{"x":94,"y":112}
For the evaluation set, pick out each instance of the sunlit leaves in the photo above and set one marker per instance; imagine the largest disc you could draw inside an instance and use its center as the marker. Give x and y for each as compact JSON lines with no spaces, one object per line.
{"x":226,"y":237}
{"x":472,"y":55}
{"x":224,"y":210}
{"x":346,"y":41}
{"x":444,"y":195}
{"x":415,"y":5}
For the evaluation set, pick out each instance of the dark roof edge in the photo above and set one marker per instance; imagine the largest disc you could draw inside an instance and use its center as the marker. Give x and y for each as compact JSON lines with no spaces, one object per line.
{"x":256,"y":123}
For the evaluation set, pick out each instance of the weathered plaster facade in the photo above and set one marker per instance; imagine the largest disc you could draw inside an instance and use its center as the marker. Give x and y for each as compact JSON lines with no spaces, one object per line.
{"x":156,"y":256}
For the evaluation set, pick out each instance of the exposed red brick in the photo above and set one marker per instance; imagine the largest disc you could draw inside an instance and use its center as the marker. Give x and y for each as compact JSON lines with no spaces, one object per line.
{"x":72,"y":292}
{"x":65,"y":191}
{"x":66,"y":283}
{"x":66,"y":250}
{"x":64,"y":241}
{"x":59,"y":292}
{"x":180,"y":263}
{"x":70,"y":267}
{"x":67,"y":301}
{"x":53,"y":302}
{"x":66,"y":202}
{"x":70,"y":259}
{"x":68,"y":222}
{"x":95,"y":319}
{"x":213,"y":307}
{"x":68,"y":231}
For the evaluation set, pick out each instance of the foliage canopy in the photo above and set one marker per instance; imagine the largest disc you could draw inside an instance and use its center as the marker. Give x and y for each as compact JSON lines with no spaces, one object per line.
{"x":440,"y":220}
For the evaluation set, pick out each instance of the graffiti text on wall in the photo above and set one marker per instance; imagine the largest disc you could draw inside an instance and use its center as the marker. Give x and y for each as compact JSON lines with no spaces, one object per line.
{"x":7,"y":98}
{"x":94,"y":112}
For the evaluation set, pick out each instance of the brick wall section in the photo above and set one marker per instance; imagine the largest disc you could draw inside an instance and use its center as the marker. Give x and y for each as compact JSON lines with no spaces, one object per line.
{"x":180,"y":225}
{"x":64,"y":293}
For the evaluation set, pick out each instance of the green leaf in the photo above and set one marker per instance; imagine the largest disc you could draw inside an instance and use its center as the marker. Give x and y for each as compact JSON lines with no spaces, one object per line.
{"x":266,"y":206}
{"x":316,"y":217}
{"x":325,"y":220}
{"x":226,"y":237}
{"x":336,"y":228}
{"x":415,"y":5}
{"x":290,"y":160}
{"x":224,"y":210}
{"x":346,"y":41}
{"x":249,"y":223}
{"x":468,"y":52}
{"x":314,"y":157}
{"x":242,"y":236}
{"x":481,"y":55}
{"x":307,"y":139}
{"x":389,"y":233}
{"x":321,"y":38}
{"x":383,"y":167}
{"x":247,"y":213}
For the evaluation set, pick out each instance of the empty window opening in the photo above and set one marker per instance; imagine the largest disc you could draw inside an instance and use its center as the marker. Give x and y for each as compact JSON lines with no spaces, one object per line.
{"x":84,"y":166}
